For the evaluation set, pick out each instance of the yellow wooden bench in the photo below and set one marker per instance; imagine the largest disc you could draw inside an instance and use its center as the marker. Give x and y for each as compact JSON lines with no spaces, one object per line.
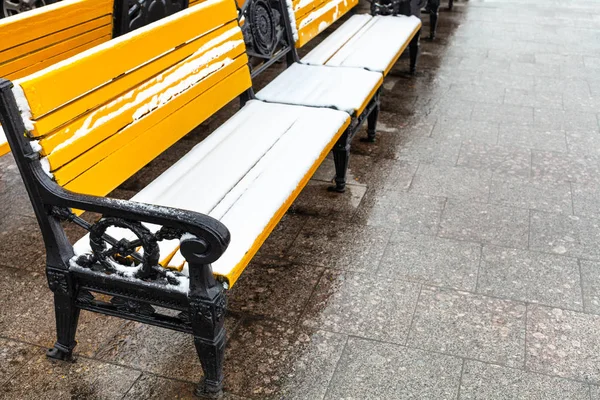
{"x":81,"y":127}
{"x":374,"y":42}
{"x":32,"y":41}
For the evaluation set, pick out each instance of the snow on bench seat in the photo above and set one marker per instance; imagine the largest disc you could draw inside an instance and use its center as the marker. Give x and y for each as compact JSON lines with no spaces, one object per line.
{"x":373,"y":43}
{"x":245,"y":174}
{"x":345,"y":89}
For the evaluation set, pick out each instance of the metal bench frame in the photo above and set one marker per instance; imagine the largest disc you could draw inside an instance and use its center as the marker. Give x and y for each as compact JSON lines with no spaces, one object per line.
{"x":200,"y":311}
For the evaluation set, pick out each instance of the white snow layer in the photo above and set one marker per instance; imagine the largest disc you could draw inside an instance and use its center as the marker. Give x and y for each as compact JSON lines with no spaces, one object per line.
{"x":332,"y":43}
{"x":373,"y":47}
{"x":290,"y":9}
{"x":345,"y":89}
{"x":23,"y":106}
{"x":162,"y":88}
{"x":242,"y":173}
{"x":2,"y":136}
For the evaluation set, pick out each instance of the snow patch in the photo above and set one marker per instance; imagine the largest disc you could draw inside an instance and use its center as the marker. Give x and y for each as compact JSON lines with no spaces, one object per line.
{"x":187,"y":236}
{"x":290,"y":8}
{"x":23,"y":106}
{"x":2,"y":136}
{"x":46,"y":167}
{"x":160,"y":90}
{"x":36,"y":146}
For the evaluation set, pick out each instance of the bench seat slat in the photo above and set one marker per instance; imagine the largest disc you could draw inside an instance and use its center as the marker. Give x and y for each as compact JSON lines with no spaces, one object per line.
{"x":368,"y":47}
{"x":319,"y":19}
{"x":50,"y":19}
{"x":336,"y":40}
{"x":279,"y":169}
{"x":68,"y":80}
{"x":56,"y":51}
{"x":344,"y":89}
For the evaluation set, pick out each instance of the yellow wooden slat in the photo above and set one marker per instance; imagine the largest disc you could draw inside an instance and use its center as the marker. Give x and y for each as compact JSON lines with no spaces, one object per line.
{"x":303,"y":7}
{"x":46,"y":41}
{"x":44,"y":21}
{"x":48,"y":124}
{"x":3,"y":146}
{"x":53,"y":51}
{"x":68,"y":80}
{"x":71,"y":170}
{"x":321,"y":18}
{"x":119,"y":165}
{"x":121,"y":112}
{"x":53,"y":60}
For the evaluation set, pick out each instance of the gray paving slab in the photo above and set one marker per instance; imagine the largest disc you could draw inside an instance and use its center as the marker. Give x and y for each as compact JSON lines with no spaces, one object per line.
{"x":485,"y":223}
{"x":374,"y":370}
{"x":369,"y":306}
{"x":432,"y":260}
{"x":565,"y":234}
{"x":493,"y":382}
{"x":563,"y":343}
{"x":530,"y":276}
{"x":452,"y":182}
{"x":532,"y":194}
{"x":508,"y":160}
{"x":470,"y":325}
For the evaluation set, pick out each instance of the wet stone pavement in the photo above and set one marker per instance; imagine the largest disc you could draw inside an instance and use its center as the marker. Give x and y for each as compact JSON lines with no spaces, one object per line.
{"x":462,"y":262}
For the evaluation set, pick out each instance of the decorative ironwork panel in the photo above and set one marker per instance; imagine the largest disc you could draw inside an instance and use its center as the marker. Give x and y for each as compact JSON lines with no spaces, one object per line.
{"x":133,"y":14}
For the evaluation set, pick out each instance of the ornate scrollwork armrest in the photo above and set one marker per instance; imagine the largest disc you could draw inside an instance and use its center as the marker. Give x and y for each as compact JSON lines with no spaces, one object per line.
{"x":138,"y":254}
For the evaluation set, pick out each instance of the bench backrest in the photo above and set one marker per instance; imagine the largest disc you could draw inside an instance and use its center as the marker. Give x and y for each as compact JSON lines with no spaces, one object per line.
{"x":32,"y":41}
{"x":100,"y":116}
{"x":311,"y":17}
{"x":36,"y":39}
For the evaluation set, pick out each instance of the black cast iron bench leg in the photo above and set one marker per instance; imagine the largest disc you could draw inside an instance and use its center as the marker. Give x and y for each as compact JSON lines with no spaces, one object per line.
{"x":341,"y":156}
{"x":434,"y":7}
{"x":67,"y":315}
{"x":207,"y":308}
{"x":413,"y":49}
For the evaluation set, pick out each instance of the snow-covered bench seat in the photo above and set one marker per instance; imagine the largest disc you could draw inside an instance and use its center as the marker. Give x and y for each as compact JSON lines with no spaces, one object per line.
{"x":345,"y":72}
{"x":94,"y":120}
{"x":374,"y":42}
{"x":37,"y":39}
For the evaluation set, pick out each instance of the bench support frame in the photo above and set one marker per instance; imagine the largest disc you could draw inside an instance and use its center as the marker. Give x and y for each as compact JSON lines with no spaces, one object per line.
{"x":82,"y":284}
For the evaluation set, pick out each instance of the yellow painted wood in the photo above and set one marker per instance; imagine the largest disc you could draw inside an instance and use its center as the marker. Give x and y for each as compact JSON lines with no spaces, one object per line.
{"x":313,"y":23}
{"x":69,"y":80}
{"x":119,"y":165}
{"x":404,"y":46}
{"x":53,"y":60}
{"x":25,"y":27}
{"x":368,"y":99}
{"x":300,"y":10}
{"x":4,"y":147}
{"x":55,"y":50}
{"x":236,"y":271}
{"x":49,"y":124}
{"x":54,"y":38}
{"x":117,"y":117}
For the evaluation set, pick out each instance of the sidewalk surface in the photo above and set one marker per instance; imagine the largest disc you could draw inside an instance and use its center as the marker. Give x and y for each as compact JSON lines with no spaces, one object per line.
{"x":462,"y":262}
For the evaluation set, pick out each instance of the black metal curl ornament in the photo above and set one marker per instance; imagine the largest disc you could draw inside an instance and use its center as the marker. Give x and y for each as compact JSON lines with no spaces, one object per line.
{"x":124,"y":252}
{"x":262,"y":23}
